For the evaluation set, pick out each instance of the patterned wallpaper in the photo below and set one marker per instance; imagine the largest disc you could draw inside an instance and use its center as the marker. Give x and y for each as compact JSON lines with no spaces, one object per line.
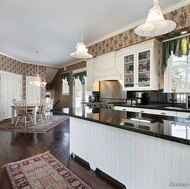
{"x":182,"y":18}
{"x":14,"y":66}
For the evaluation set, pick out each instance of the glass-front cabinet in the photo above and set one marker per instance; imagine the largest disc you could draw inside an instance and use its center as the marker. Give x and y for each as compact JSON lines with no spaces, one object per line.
{"x":144,"y":69}
{"x":141,"y":66}
{"x":129,"y":70}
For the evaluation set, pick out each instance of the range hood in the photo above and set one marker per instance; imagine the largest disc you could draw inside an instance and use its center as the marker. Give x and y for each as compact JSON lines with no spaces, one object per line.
{"x":106,"y":68}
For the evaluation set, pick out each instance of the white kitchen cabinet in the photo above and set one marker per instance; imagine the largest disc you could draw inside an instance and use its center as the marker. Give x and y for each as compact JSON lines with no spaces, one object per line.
{"x":140,"y":66}
{"x":164,"y":112}
{"x":183,"y":114}
{"x":143,"y":110}
{"x":122,"y":108}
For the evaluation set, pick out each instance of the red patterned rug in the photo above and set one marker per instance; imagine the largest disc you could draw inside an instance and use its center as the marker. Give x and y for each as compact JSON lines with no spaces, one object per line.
{"x":43,"y":171}
{"x":38,"y":128}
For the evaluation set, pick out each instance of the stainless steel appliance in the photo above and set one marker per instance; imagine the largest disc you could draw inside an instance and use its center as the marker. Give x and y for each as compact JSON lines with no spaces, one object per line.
{"x":139,"y":97}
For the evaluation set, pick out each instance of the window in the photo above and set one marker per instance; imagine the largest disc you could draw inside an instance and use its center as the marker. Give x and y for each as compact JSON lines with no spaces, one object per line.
{"x":65,"y":83}
{"x":180,"y":72}
{"x":79,"y":87}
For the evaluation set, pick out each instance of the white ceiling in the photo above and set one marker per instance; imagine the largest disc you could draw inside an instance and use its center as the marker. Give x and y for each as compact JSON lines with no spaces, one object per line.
{"x":53,"y":27}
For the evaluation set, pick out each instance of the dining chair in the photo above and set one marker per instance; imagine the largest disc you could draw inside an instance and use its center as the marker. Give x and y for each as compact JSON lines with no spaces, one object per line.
{"x":49,"y":108}
{"x":42,"y":112}
{"x":21,"y":112}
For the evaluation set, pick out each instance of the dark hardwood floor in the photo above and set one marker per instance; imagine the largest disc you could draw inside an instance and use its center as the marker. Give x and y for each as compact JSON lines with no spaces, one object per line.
{"x":17,"y":146}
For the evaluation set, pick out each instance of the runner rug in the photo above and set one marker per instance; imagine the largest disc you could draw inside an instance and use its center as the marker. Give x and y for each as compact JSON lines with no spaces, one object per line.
{"x":43,"y":171}
{"x":38,"y":128}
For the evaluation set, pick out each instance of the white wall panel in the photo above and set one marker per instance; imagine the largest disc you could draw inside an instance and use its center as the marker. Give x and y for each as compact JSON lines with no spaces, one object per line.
{"x":10,"y":88}
{"x":136,"y":160}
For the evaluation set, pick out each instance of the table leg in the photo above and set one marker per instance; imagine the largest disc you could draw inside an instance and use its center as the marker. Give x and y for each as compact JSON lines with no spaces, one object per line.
{"x":34,"y":118}
{"x":12,"y":115}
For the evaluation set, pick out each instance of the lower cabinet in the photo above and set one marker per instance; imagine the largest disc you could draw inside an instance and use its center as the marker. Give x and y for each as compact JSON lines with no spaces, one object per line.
{"x":164,"y":112}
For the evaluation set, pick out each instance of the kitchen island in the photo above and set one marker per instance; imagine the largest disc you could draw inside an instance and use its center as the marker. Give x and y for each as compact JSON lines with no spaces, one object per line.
{"x":139,"y":150}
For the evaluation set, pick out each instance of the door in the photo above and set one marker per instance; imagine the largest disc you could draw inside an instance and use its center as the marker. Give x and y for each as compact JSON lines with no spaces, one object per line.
{"x":10,"y":88}
{"x":33,"y":93}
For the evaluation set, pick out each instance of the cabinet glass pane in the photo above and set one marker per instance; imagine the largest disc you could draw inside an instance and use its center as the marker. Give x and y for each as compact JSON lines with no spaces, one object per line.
{"x":129,"y":70}
{"x":144,"y":69}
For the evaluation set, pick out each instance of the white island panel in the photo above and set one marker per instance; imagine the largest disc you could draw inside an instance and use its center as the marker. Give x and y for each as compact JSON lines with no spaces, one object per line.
{"x":138,"y":161}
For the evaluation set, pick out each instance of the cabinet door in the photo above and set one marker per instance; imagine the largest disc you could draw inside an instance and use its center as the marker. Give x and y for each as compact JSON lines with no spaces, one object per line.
{"x":143,"y":67}
{"x":129,"y":71}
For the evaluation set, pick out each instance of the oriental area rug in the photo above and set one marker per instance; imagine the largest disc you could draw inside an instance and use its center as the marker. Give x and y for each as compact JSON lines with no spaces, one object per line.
{"x":43,"y":171}
{"x":38,"y":128}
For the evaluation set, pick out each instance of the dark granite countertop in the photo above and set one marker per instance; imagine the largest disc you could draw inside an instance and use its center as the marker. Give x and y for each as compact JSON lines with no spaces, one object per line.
{"x":175,"y":129}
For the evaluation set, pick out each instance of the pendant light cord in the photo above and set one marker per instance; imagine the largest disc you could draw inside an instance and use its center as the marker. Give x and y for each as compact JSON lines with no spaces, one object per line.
{"x":155,"y":2}
{"x":82,"y":30}
{"x":37,"y":62}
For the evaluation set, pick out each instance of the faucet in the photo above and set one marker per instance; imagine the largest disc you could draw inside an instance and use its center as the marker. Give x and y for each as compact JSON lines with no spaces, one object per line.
{"x":187,"y":101}
{"x":172,"y":99}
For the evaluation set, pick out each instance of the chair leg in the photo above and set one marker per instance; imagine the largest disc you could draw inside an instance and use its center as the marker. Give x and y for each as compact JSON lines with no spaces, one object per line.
{"x":16,"y":120}
{"x":24,"y":120}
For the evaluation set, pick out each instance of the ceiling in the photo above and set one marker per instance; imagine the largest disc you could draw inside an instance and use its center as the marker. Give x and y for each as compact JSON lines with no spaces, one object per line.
{"x":54,"y":27}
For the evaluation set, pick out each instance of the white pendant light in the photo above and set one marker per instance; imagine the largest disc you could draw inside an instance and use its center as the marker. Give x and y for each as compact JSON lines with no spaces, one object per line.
{"x":82,"y":51}
{"x":38,"y":82}
{"x":155,"y":24}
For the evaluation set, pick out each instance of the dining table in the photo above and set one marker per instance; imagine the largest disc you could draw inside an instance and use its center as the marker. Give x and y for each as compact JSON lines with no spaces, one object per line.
{"x":30,"y":107}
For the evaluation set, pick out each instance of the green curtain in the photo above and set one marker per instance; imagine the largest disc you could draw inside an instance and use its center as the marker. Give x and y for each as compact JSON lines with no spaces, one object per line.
{"x":179,"y":47}
{"x":66,"y":76}
{"x":79,"y":75}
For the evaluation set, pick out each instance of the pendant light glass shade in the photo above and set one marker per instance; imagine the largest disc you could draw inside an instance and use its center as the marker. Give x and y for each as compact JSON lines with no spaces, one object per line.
{"x":82,"y":51}
{"x":155,"y":24}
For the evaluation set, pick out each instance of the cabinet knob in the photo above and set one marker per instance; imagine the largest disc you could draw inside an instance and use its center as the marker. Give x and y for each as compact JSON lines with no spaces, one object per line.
{"x":163,"y":113}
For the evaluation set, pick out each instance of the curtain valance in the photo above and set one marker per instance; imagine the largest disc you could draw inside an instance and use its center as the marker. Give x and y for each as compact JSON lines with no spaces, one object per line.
{"x":81,"y":76}
{"x":179,"y":47}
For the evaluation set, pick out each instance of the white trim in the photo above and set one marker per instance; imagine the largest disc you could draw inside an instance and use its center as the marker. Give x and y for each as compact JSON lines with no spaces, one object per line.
{"x":4,"y":54}
{"x":133,"y":25}
{"x":79,"y":70}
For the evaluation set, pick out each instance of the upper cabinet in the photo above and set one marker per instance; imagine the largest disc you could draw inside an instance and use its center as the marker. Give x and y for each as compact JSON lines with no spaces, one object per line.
{"x":140,"y":66}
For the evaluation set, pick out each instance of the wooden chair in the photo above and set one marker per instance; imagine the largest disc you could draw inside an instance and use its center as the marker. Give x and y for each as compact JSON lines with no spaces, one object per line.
{"x":42,"y":112}
{"x":22,"y":113}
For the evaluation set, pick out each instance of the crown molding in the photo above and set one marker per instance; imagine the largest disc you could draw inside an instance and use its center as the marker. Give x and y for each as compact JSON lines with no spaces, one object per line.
{"x":4,"y":54}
